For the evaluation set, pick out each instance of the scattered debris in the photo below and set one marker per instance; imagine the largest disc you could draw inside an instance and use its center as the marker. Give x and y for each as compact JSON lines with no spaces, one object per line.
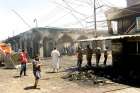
{"x":86,"y":75}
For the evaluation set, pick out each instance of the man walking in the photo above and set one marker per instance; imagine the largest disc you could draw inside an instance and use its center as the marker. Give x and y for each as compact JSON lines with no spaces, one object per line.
{"x":23,"y":60}
{"x":55,"y":59}
{"x":36,"y":70}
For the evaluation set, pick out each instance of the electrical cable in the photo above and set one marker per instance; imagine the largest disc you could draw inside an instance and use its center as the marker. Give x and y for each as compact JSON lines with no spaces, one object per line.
{"x":73,"y":13}
{"x":120,"y":8}
{"x":21,"y":18}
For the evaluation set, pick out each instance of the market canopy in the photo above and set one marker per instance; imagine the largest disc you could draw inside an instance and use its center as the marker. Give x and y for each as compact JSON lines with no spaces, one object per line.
{"x":109,"y":37}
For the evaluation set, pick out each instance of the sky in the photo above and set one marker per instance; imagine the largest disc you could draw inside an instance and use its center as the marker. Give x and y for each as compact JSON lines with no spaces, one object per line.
{"x":17,"y":16}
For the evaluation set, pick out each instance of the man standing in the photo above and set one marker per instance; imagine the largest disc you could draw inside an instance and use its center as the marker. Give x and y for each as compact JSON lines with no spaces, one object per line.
{"x":98,"y":55}
{"x":23,"y":60}
{"x":79,"y":55}
{"x":55,"y":59}
{"x":105,"y":55}
{"x":89,"y":55}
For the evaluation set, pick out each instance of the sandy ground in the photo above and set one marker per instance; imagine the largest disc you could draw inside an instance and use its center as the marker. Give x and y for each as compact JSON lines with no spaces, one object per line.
{"x":54,"y":83}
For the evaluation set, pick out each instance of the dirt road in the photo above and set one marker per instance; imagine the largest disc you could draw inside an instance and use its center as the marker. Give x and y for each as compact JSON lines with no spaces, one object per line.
{"x":53,"y":82}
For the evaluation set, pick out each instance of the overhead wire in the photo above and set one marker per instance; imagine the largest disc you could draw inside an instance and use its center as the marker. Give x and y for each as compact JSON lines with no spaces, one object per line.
{"x":107,"y":4}
{"x":67,"y":9}
{"x":96,"y":7}
{"x":84,"y":1}
{"x":110,"y":6}
{"x":66,"y":14}
{"x":74,"y":3}
{"x":120,"y":9}
{"x":90,"y":3}
{"x":49,"y":16}
{"x":20,"y":18}
{"x":92,"y":21}
{"x":101,"y":8}
{"x":71,"y":9}
{"x":58,"y":19}
{"x":81,"y":20}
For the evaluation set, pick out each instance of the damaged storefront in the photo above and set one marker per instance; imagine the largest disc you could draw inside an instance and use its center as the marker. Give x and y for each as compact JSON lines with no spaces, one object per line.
{"x":125,"y":23}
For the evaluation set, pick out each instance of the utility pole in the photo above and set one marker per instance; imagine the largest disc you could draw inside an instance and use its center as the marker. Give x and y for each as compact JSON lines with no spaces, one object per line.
{"x":95,"y":25}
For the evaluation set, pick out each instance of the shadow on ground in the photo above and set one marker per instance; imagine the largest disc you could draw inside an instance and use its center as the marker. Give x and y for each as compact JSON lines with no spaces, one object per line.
{"x":50,"y":72}
{"x":30,"y":87}
{"x":16,"y":76}
{"x":2,"y":65}
{"x":120,"y":75}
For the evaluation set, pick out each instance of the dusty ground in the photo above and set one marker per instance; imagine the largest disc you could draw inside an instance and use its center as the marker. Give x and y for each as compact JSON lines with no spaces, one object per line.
{"x":53,"y":83}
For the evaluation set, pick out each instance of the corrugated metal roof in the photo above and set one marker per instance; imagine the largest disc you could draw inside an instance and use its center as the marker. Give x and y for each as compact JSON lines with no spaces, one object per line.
{"x":115,"y":13}
{"x":109,"y":37}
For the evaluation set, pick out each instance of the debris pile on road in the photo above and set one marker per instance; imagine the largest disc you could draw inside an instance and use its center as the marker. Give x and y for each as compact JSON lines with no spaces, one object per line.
{"x":85,"y":76}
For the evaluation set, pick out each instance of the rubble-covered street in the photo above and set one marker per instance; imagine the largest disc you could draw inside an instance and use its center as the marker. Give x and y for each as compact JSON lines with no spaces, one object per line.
{"x":70,"y":46}
{"x":55,"y":82}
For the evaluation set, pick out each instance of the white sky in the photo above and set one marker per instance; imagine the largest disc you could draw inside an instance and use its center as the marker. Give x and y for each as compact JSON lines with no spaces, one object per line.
{"x":55,"y":13}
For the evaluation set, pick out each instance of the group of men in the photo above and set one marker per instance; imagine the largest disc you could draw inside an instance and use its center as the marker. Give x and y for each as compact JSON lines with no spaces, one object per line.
{"x":55,"y":54}
{"x":89,"y":53}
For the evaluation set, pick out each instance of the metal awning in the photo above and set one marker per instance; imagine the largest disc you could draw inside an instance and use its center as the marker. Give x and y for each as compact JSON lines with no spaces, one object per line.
{"x":109,"y":37}
{"x":116,"y":13}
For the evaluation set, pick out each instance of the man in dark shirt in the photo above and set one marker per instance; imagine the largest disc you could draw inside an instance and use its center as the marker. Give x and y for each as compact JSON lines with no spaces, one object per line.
{"x":105,"y":55}
{"x":79,"y":55}
{"x":98,"y":55}
{"x":89,"y":53}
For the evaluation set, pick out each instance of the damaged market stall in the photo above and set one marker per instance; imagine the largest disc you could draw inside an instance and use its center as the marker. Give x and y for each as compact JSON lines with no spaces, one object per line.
{"x":125,"y":50}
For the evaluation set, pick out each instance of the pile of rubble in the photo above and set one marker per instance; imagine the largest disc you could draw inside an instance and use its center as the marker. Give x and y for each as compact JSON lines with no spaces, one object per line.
{"x":85,"y":76}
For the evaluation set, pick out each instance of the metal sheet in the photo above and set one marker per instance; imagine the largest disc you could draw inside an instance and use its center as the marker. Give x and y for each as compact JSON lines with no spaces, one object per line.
{"x":109,"y":37}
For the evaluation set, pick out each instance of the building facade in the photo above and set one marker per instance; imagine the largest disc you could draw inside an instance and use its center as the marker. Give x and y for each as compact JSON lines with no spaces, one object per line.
{"x":42,"y":40}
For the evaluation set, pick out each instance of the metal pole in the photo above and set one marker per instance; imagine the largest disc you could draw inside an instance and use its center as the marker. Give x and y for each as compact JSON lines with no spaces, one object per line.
{"x":137,"y":47}
{"x":95,"y":26}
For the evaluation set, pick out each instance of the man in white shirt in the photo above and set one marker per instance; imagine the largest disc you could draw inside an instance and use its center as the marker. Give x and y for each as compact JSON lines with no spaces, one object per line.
{"x":55,"y":59}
